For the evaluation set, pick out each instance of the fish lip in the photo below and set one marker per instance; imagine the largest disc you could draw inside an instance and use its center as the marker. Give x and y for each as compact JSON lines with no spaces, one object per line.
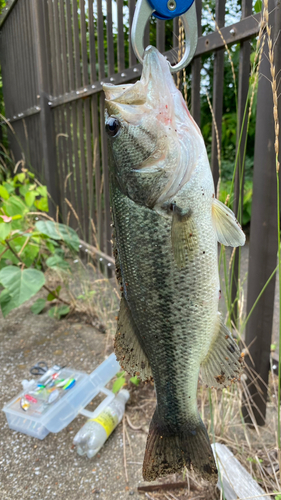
{"x":114,"y":91}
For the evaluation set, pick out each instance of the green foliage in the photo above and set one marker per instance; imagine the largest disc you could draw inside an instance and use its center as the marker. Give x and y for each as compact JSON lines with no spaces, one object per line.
{"x":33,"y":245}
{"x":58,"y":312}
{"x":121,"y":381}
{"x":60,"y":232}
{"x":225,"y":189}
{"x":38,"y":306}
{"x":19,"y":286}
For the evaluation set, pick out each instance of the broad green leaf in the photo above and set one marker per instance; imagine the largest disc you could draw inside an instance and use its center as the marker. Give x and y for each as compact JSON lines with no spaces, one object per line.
{"x":20,"y":177}
{"x":6,"y":302}
{"x":21,"y":284}
{"x":59,"y":232}
{"x":5,"y":229}
{"x":9,"y":187}
{"x":58,"y":311}
{"x":63,"y":310}
{"x":50,"y":297}
{"x":120,"y":374}
{"x":14,"y":206}
{"x":42,"y":204}
{"x":4,"y":193}
{"x":57,"y":262}
{"x":38,"y":306}
{"x":42,"y":190}
{"x":118,"y":384}
{"x":24,"y":189}
{"x":30,"y":197}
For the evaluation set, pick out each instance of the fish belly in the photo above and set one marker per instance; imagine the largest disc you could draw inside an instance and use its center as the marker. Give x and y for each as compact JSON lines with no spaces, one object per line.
{"x":174,"y":309}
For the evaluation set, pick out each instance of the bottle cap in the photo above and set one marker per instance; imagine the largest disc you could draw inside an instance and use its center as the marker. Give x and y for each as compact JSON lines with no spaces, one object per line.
{"x":124,"y":394}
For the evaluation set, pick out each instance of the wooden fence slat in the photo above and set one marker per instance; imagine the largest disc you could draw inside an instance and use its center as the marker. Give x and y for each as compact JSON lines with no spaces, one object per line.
{"x":70,"y":108}
{"x":78,"y":206}
{"x":132,"y":57}
{"x":78,"y":79}
{"x":264,"y":241}
{"x":195,"y":72}
{"x":110,"y":45}
{"x":107,"y":219}
{"x":176,"y":32}
{"x":60,"y":121}
{"x":89,"y":177}
{"x":47,"y":46}
{"x":46,"y":116}
{"x":67,"y":143}
{"x":217,"y":96}
{"x":92,"y":44}
{"x":100,"y":41}
{"x":76,"y":111}
{"x":21,"y":66}
{"x":160,"y":35}
{"x":53,"y":50}
{"x":30,"y":59}
{"x":63,"y":48}
{"x":120,"y":36}
{"x":97,"y":168}
{"x":83,"y":43}
{"x":243,"y":87}
{"x":95,"y":127}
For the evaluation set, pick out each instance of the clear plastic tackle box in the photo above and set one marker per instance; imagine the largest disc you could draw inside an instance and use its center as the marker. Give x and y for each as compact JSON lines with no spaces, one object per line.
{"x":39,"y":418}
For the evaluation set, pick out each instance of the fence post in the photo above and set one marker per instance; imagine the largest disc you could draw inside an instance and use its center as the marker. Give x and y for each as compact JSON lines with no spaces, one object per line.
{"x":46,"y":117}
{"x":263,"y":237}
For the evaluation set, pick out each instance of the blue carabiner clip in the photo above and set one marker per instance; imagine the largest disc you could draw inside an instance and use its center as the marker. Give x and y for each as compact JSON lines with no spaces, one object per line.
{"x":185,"y":9}
{"x":170,"y":9}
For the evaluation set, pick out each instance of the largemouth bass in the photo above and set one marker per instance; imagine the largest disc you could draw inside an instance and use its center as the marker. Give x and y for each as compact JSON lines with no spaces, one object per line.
{"x":167,"y":224}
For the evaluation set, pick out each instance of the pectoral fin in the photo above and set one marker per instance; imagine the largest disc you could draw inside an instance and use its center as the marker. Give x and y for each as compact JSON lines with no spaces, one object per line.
{"x":223,"y":363}
{"x":127,"y":346}
{"x":227,"y":227}
{"x":183,"y":236}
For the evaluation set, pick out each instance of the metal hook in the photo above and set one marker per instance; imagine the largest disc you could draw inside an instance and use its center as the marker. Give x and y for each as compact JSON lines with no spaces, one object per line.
{"x":189,"y":19}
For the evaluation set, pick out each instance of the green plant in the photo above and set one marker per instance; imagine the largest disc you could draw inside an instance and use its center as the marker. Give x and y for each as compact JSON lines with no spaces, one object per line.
{"x":29,"y":246}
{"x":121,"y":381}
{"x":225,"y":190}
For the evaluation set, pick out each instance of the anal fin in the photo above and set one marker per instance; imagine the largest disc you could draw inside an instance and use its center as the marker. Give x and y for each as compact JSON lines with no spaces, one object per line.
{"x":223,"y":363}
{"x":128,"y":350}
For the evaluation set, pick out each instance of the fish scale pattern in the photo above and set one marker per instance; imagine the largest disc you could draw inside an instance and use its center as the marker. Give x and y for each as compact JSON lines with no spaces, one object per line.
{"x":174,"y":309}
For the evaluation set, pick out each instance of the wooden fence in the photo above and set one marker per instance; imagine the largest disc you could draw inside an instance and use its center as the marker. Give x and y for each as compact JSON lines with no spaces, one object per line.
{"x":55,"y":54}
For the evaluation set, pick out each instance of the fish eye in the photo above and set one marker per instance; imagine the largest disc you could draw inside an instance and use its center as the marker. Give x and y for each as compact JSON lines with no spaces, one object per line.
{"x":112,"y":126}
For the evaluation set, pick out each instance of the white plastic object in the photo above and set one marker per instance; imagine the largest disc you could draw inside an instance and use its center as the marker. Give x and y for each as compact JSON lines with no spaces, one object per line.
{"x":59,"y":414}
{"x":234,"y":480}
{"x":92,"y":436}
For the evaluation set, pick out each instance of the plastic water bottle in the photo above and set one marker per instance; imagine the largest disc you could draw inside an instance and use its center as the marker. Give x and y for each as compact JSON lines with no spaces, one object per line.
{"x":95,"y":432}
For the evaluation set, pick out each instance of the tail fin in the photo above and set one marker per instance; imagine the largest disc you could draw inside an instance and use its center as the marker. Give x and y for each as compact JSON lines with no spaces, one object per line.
{"x":168,"y":451}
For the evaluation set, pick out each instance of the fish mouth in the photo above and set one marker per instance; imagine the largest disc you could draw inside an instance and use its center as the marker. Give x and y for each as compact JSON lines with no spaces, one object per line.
{"x":156,"y":84}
